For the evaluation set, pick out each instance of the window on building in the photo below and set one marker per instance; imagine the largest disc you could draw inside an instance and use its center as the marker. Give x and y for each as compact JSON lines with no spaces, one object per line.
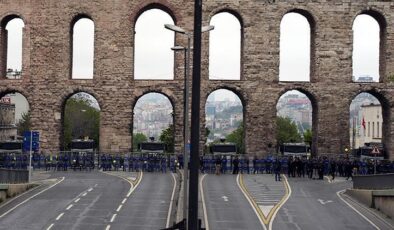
{"x":373,"y":129}
{"x":83,"y":49}
{"x":369,"y":125}
{"x":295,"y":43}
{"x":378,"y":129}
{"x":153,"y":57}
{"x":366,"y":45}
{"x":225,"y":47}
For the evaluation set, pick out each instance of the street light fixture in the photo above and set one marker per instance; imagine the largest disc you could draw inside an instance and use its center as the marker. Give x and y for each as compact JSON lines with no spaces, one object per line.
{"x":186,"y":147}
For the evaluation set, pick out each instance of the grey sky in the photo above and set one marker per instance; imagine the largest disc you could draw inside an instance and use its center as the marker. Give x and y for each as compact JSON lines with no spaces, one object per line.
{"x":14,"y":51}
{"x":83,"y":49}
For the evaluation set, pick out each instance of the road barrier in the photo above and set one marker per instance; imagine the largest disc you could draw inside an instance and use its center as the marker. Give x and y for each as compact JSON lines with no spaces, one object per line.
{"x":13,"y":176}
{"x":374,"y":182}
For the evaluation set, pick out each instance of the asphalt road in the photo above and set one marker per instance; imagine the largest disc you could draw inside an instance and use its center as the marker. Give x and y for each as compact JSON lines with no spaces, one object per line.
{"x":91,"y":200}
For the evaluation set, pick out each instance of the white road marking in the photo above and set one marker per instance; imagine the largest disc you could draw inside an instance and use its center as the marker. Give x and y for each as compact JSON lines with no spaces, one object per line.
{"x":266,"y":209}
{"x":89,"y":190}
{"x":354,"y":209}
{"x":50,"y":226}
{"x":108,"y":227}
{"x":124,"y":200}
{"x":113,"y":218}
{"x":84,"y":194}
{"x":95,"y":185}
{"x":12,"y":209}
{"x":172,"y":200}
{"x":324,"y":202}
{"x":120,"y":207}
{"x":59,"y":216}
{"x":70,"y":206}
{"x":76,"y":201}
{"x":204,"y":208}
{"x":225,"y":198}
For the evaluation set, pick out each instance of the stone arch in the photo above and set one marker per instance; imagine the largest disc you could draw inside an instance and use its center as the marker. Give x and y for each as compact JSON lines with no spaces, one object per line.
{"x":155,"y":4}
{"x":313,"y":28}
{"x":4,"y":41}
{"x":381,"y":20}
{"x":236,"y":15}
{"x":160,"y":92}
{"x":386,"y":115}
{"x":315,"y":113}
{"x":237,"y":92}
{"x":63,"y":100}
{"x":73,"y":22}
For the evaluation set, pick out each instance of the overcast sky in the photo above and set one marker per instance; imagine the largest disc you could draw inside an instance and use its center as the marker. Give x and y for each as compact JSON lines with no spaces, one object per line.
{"x":154,"y":58}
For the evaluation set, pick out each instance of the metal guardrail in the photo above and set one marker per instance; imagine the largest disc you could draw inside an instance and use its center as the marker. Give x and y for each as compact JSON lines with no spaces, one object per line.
{"x":13,"y":176}
{"x":374,"y":182}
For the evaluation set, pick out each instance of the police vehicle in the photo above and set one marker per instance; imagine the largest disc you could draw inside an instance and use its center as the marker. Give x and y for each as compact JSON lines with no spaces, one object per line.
{"x":11,"y":146}
{"x":82,"y":153}
{"x":295,"y":149}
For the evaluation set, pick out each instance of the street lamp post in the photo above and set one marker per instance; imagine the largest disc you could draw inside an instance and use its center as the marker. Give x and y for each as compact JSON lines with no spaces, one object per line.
{"x":186,"y":50}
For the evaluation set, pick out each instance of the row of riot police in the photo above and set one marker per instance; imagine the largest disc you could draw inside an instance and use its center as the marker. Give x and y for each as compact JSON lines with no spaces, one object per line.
{"x":14,"y":160}
{"x":138,"y":162}
{"x":74,"y":160}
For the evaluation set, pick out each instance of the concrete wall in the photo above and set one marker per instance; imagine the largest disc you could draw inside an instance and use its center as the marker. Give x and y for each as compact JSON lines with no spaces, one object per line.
{"x":46,"y":80}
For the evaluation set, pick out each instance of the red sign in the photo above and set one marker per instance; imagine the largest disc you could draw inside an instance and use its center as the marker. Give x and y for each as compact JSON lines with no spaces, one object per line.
{"x":5,"y":100}
{"x":375,"y":151}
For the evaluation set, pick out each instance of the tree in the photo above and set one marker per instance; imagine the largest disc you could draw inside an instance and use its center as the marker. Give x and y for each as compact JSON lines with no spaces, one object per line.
{"x":237,"y":137}
{"x":24,"y":124}
{"x":286,"y":131}
{"x":167,"y":137}
{"x":308,"y":137}
{"x":137,"y":139}
{"x":81,"y":120}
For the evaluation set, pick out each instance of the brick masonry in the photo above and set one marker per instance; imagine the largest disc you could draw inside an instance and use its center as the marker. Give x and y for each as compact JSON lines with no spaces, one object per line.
{"x":46,"y":81}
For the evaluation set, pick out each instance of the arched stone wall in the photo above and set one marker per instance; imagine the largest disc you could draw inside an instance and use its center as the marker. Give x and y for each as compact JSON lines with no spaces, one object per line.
{"x":46,"y":58}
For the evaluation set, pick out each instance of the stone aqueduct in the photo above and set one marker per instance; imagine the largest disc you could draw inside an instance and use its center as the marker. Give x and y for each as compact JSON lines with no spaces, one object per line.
{"x":46,"y":80}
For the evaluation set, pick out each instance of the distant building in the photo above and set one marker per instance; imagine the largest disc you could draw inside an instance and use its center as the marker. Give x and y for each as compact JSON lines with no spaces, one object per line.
{"x":365,"y":78}
{"x":370,"y":125}
{"x":8,"y":128}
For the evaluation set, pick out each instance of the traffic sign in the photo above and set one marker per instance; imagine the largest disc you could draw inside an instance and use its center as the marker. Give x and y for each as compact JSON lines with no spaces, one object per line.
{"x":375,"y":150}
{"x":31,"y":138}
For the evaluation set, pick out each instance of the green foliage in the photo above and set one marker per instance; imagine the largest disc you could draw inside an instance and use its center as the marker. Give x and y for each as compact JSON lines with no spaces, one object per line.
{"x":24,"y":123}
{"x":226,"y":113}
{"x":237,"y":137}
{"x":167,"y":137}
{"x":81,"y":120}
{"x":308,"y":137}
{"x":286,"y":131}
{"x":207,"y":132}
{"x":137,"y":139}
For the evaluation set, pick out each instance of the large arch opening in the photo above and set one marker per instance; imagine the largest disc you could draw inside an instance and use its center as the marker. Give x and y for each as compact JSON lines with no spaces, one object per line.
{"x":295,"y":48}
{"x":12,"y":46}
{"x":296,"y":123}
{"x":81,"y":123}
{"x":153,"y":121}
{"x":224,"y":119}
{"x":14,"y":116}
{"x":152,"y":46}
{"x":368,"y":125}
{"x":82,"y":34}
{"x":367,"y":35}
{"x":225,"y":47}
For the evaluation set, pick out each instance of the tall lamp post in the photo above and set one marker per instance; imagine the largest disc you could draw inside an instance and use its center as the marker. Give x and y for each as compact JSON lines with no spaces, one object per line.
{"x":186,"y":50}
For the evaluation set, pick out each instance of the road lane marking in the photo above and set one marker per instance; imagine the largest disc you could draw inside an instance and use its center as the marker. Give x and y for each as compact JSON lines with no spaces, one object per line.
{"x":113,"y":218}
{"x":225,"y":198}
{"x":89,"y":190}
{"x":124,"y":200}
{"x":84,"y":194}
{"x":50,"y":226}
{"x":108,"y":227}
{"x":118,"y":209}
{"x":204,"y":207}
{"x":13,"y":208}
{"x":76,"y":201}
{"x":59,"y":216}
{"x":70,"y":206}
{"x":282,"y":202}
{"x":354,"y":209}
{"x":95,"y":185}
{"x":172,"y":200}
{"x":248,"y":198}
{"x":324,"y":202}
